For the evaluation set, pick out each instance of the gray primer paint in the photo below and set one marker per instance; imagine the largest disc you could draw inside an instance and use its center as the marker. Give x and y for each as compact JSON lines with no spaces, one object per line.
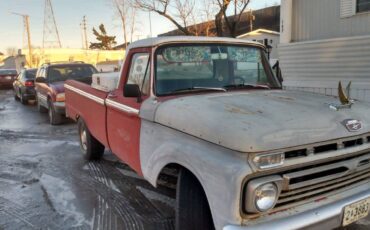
{"x":207,"y":133}
{"x":219,"y":170}
{"x":259,"y":121}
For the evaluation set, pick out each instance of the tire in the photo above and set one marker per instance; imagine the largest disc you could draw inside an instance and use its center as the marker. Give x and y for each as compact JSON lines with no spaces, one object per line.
{"x":54,"y":117}
{"x":23,"y":100}
{"x":192,"y":209}
{"x":16,"y":96}
{"x":41,"y":108}
{"x":91,"y":148}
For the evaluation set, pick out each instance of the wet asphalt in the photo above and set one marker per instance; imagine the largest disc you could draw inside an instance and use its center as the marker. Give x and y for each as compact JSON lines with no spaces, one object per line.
{"x":46,"y":184}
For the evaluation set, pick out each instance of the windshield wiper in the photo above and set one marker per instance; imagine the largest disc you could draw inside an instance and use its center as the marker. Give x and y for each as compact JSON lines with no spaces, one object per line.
{"x":243,"y":86}
{"x":198,"y":88}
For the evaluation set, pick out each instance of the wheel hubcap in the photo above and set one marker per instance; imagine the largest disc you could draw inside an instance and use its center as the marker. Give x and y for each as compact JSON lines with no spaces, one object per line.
{"x":83,"y":139}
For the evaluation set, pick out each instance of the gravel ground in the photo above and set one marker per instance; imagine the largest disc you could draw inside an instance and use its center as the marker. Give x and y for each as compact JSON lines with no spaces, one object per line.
{"x":46,"y":184}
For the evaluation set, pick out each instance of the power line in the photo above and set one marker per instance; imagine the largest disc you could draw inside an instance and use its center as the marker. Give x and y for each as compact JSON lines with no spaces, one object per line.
{"x":51,"y":37}
{"x":84,"y":33}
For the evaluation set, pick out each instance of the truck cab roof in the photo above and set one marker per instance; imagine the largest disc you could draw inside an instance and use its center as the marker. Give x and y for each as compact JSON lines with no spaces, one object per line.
{"x":150,"y":42}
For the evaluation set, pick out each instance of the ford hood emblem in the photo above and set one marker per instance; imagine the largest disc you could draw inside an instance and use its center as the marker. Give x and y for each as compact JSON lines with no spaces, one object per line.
{"x":352,"y":125}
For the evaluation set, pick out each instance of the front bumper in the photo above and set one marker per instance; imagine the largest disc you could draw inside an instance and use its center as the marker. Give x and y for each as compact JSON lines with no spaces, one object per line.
{"x":327,"y":216}
{"x":60,"y":107}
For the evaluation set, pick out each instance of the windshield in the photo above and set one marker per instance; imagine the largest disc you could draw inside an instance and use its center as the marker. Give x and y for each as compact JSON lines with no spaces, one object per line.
{"x":67,"y":72}
{"x":207,"y":67}
{"x":8,"y":72}
{"x":30,"y":74}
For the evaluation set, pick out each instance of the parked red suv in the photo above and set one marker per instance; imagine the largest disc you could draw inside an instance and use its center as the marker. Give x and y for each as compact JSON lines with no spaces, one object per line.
{"x":49,"y":85}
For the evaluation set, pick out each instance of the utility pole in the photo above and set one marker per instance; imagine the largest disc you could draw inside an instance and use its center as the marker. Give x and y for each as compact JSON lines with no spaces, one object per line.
{"x":150,"y":24}
{"x":26,"y":24}
{"x":84,"y":35}
{"x":251,"y":19}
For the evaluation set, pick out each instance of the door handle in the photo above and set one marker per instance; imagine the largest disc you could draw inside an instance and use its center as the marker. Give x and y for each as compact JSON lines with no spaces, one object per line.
{"x":112,"y":95}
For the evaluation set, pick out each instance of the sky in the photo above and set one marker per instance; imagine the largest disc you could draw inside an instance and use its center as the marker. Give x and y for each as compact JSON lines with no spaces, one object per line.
{"x":68,"y":16}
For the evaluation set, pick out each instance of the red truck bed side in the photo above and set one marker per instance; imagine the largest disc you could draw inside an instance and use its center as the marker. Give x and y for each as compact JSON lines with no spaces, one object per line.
{"x":89,"y":103}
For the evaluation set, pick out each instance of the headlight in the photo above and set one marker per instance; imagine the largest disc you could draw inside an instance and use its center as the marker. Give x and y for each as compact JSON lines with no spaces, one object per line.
{"x":60,"y":97}
{"x":266,"y":196}
{"x":261,"y":194}
{"x":271,"y":160}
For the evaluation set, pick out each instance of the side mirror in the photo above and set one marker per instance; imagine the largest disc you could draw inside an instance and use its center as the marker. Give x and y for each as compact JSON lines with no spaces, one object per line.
{"x":40,"y":80}
{"x":132,"y":90}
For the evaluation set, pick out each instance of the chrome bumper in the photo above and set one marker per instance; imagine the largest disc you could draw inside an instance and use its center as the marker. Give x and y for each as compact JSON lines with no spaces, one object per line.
{"x":60,"y":107}
{"x":327,"y":216}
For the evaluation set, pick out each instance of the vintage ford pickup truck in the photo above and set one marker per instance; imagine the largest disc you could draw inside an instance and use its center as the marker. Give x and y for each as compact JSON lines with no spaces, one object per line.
{"x":248,"y":154}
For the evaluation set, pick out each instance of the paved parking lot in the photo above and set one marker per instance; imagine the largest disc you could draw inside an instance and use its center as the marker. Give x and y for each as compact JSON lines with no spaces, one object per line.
{"x":46,"y":184}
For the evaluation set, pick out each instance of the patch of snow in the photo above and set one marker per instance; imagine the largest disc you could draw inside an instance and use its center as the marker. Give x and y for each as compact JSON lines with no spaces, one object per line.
{"x":63,"y":199}
{"x":113,"y":186}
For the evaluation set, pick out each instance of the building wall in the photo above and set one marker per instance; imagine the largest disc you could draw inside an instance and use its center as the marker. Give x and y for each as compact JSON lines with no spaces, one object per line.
{"x":318,"y":66}
{"x":41,"y":56}
{"x":321,"y":19}
{"x":260,"y":38}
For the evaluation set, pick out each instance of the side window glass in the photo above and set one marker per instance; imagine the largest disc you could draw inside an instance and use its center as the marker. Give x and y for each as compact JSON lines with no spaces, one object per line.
{"x":39,"y":72}
{"x":43,"y":73}
{"x":140,"y":72}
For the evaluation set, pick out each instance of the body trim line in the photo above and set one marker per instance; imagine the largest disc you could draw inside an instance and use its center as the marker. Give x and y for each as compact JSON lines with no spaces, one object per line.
{"x":86,"y":95}
{"x":121,"y":107}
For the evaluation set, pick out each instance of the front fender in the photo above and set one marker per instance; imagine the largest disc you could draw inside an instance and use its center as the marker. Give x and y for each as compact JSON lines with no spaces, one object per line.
{"x":220,"y":171}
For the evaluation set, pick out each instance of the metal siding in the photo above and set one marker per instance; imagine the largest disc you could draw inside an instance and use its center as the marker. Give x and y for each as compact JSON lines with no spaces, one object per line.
{"x":317,"y":66}
{"x":321,"y":19}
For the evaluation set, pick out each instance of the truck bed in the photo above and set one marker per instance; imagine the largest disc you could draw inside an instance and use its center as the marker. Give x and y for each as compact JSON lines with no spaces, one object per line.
{"x":84,"y":101}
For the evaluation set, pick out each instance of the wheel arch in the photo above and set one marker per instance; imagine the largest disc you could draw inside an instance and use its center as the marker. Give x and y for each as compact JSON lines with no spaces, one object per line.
{"x":178,"y":166}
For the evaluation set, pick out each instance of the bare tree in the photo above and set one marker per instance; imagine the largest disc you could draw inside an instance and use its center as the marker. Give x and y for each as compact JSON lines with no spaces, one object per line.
{"x":181,"y":12}
{"x":208,"y":13}
{"x":176,"y":11}
{"x":231,"y":21}
{"x":11,"y":51}
{"x":127,"y":13}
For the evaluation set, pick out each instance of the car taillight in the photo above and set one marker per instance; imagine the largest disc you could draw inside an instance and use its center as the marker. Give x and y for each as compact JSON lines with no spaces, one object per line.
{"x":28,"y":83}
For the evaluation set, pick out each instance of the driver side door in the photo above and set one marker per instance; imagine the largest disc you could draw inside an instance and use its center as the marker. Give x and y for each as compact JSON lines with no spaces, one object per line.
{"x":123,"y":121}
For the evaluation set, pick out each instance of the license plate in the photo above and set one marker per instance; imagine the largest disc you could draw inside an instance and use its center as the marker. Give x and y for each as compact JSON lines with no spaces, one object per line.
{"x":8,"y":78}
{"x":356,"y":211}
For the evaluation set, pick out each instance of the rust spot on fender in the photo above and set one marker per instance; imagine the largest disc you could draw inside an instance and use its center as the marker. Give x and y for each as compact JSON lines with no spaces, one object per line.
{"x":233,"y":109}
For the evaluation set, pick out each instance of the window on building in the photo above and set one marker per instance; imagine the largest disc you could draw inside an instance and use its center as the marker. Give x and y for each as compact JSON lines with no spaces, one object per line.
{"x":362,"y":5}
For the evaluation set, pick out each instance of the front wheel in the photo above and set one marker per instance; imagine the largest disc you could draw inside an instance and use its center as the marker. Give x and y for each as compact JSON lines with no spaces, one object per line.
{"x":91,"y":148}
{"x":16,"y":96}
{"x":54,"y":117}
{"x":192,"y":209}
{"x":41,"y":108}
{"x":24,"y":101}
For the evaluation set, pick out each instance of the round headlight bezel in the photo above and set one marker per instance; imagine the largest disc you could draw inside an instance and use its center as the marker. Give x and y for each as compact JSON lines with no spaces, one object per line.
{"x":249,"y":200}
{"x":268,"y":188}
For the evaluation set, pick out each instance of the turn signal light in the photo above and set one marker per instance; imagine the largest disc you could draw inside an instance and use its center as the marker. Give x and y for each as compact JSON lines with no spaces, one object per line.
{"x":267,"y":161}
{"x":60,"y":97}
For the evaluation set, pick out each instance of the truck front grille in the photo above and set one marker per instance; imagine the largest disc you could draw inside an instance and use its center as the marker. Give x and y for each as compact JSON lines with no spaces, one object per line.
{"x":316,"y":182}
{"x":328,"y":147}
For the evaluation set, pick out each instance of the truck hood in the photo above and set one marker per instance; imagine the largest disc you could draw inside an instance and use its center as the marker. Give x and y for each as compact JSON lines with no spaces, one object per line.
{"x":260,"y":120}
